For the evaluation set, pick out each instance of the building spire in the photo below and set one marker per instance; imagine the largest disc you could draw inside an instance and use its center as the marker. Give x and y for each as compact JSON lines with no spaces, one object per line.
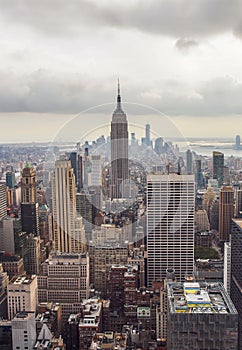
{"x":118,"y":97}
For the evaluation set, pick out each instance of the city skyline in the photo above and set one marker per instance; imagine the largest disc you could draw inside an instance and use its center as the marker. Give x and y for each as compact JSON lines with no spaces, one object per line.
{"x":188,"y":68}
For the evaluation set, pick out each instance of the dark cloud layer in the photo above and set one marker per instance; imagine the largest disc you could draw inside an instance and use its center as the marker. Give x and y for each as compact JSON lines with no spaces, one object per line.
{"x":177,"y":18}
{"x":42,"y":92}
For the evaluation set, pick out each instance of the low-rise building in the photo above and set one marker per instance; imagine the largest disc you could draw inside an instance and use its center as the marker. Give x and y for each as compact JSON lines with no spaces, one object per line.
{"x":109,"y":341}
{"x":90,"y":322}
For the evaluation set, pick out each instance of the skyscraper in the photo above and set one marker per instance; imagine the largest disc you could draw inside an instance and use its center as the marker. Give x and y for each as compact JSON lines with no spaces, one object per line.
{"x":119,"y":152}
{"x":226,"y":211}
{"x":238,"y":204}
{"x":3,"y":201}
{"x":198,"y":173}
{"x":67,"y":236}
{"x":236,"y":271}
{"x":237,"y":142}
{"x":170,"y":225}
{"x":218,"y":167}
{"x":28,"y":185}
{"x":29,"y":205}
{"x":189,"y":162}
{"x":10,"y":179}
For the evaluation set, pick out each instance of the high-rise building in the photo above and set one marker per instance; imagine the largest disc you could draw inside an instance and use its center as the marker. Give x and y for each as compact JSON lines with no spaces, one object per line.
{"x":170,"y":225}
{"x":12,"y":264}
{"x":104,"y":256}
{"x":10,"y":179}
{"x":65,"y":279}
{"x":189,"y":162}
{"x":227,"y":266}
{"x":45,"y":223}
{"x":146,"y":140}
{"x":33,"y":262}
{"x":23,"y":330}
{"x":6,"y":335}
{"x":218,"y":167}
{"x":214,"y":214}
{"x":30,"y":218}
{"x":200,"y":316}
{"x":73,"y":159}
{"x":67,"y":236}
{"x":12,"y":238}
{"x":238,"y":204}
{"x":119,"y":152}
{"x":3,"y":201}
{"x":28,"y":185}
{"x":208,"y":197}
{"x":237,"y":142}
{"x":198,"y":173}
{"x":159,"y":145}
{"x":236,"y":271}
{"x":84,"y":209}
{"x":29,"y":205}
{"x":22,"y":295}
{"x":96,"y":171}
{"x":4,"y":280}
{"x":201,"y":221}
{"x":226,"y":212}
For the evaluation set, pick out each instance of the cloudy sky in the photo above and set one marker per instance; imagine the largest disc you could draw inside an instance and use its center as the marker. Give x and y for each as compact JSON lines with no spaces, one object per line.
{"x":179,"y":63}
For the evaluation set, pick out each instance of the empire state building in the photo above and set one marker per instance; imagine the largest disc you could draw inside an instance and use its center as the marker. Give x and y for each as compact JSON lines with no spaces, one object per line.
{"x":119,"y":153}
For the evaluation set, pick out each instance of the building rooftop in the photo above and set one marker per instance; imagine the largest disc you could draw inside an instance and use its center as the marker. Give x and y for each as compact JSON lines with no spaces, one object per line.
{"x":23,"y":315}
{"x":109,"y":340}
{"x":91,"y":313}
{"x":200,"y":297}
{"x":4,"y":257}
{"x":24,"y":280}
{"x":238,"y":222}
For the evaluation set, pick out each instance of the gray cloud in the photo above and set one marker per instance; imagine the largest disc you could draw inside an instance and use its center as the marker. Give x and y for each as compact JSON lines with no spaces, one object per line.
{"x":185,"y":44}
{"x":43,"y":92}
{"x":178,"y":18}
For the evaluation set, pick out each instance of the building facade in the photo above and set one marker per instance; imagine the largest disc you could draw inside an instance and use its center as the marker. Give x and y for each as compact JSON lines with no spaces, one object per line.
{"x":200,"y":316}
{"x":22,"y":295}
{"x":170,"y":225}
{"x":226,"y":212}
{"x":65,"y":280}
{"x":218,"y":167}
{"x":236,"y":271}
{"x":67,"y":236}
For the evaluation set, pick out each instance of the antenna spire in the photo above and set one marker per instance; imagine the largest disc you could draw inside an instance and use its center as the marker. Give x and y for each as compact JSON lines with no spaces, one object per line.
{"x":118,"y":97}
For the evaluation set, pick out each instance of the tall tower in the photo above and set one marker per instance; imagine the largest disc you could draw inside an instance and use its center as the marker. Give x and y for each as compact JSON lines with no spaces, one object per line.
{"x":28,"y":185}
{"x":3,"y":201}
{"x":226,"y":212}
{"x":237,"y":142}
{"x":29,"y":205}
{"x":67,"y":236}
{"x":119,"y":152}
{"x":170,"y":225}
{"x":236,"y":271}
{"x":189,"y":161}
{"x":218,"y":167}
{"x":198,"y":173}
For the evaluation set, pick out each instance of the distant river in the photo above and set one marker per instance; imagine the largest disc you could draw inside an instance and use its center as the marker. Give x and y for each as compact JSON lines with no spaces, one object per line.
{"x":206,"y":147}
